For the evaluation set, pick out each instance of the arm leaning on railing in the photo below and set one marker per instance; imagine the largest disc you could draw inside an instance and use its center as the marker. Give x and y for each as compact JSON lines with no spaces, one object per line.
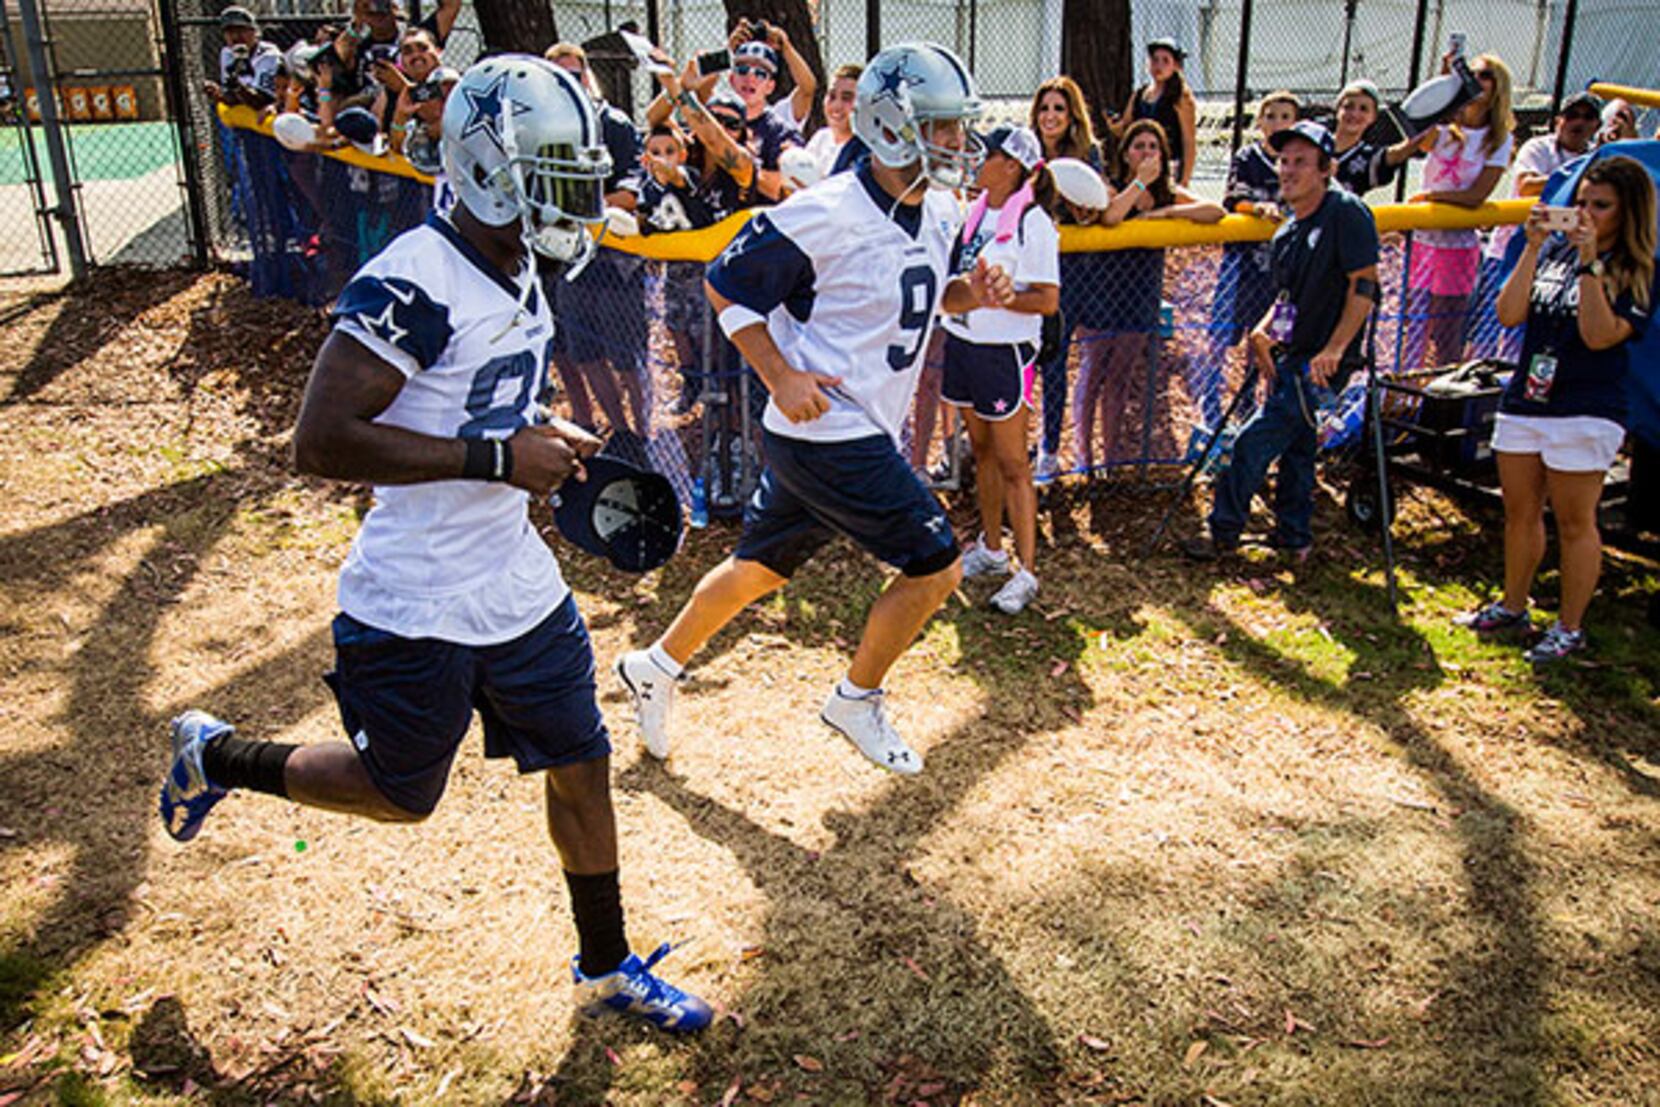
{"x":704,"y":244}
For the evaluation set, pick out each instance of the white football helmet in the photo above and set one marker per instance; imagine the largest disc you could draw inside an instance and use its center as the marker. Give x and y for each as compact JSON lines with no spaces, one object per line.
{"x":521,"y":142}
{"x":910,"y":85}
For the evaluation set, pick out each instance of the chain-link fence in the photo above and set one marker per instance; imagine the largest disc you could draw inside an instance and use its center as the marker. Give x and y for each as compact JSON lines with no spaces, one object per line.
{"x":85,"y":131}
{"x":1152,"y":358}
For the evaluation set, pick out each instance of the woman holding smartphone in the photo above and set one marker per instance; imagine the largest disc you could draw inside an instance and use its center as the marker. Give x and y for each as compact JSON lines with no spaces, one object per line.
{"x":1585,"y":296}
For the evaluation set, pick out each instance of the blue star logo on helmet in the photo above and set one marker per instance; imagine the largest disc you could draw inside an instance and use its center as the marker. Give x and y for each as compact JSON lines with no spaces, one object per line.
{"x":484,"y":109}
{"x":895,"y":79}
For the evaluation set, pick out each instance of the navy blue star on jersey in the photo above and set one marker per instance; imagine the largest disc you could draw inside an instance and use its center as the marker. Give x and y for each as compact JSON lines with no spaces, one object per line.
{"x":399,"y":313}
{"x":484,"y":107}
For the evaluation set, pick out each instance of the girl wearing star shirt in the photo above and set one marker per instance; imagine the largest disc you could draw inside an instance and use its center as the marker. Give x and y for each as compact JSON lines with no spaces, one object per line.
{"x":1585,"y":298}
{"x":991,"y":353}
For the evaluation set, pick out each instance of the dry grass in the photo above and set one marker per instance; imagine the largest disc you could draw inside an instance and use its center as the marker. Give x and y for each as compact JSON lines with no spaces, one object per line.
{"x":1183,"y":837}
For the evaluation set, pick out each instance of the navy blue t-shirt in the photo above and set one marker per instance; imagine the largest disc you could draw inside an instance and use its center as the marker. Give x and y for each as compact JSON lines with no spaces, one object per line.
{"x":1312,"y":259}
{"x":1253,"y":177}
{"x":622,"y":141}
{"x":1587,"y":382}
{"x":669,"y":207}
{"x":768,"y":136}
{"x":1363,"y":167}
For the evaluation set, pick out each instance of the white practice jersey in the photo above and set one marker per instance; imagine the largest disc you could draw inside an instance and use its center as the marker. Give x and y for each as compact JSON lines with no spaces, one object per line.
{"x":455,"y":560}
{"x":847,"y":289}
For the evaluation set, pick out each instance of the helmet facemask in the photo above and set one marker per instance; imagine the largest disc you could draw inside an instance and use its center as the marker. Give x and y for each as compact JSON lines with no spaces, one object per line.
{"x":948,"y":168}
{"x":560,"y":193}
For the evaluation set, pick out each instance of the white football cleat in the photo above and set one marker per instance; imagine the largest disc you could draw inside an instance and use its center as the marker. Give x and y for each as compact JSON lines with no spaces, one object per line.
{"x":653,"y":692}
{"x":863,"y":722}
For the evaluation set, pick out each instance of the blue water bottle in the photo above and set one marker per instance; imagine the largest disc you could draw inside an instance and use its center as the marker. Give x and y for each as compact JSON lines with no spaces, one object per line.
{"x":700,"y":503}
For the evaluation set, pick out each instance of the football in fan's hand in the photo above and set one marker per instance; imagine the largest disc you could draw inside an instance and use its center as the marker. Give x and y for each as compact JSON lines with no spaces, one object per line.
{"x":294,"y":130}
{"x":1078,"y":183}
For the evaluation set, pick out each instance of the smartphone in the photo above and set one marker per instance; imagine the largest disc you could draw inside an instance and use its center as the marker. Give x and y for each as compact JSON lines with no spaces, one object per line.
{"x":1455,"y":44}
{"x":713,"y":61}
{"x":1561,"y":219}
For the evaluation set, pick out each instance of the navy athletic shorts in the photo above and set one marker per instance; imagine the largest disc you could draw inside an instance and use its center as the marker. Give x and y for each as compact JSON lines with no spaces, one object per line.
{"x":992,"y":378}
{"x":862,"y":488}
{"x":406,"y":702}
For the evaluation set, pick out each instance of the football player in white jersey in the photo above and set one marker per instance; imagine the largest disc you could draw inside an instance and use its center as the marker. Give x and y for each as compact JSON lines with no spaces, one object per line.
{"x":450,"y":600}
{"x":830,"y":297}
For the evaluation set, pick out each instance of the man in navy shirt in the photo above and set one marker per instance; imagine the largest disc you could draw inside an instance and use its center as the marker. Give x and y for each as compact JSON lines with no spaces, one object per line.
{"x":1325,"y":269}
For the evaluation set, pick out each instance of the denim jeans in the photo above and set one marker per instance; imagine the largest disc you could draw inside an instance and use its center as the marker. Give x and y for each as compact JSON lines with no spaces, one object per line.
{"x":1281,"y":430}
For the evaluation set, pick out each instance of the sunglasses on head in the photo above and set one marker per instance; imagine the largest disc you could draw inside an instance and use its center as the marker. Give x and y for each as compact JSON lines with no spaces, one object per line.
{"x":752,"y":71}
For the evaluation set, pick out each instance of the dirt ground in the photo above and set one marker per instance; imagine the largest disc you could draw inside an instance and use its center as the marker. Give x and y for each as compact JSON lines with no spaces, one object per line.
{"x":1185,"y":836}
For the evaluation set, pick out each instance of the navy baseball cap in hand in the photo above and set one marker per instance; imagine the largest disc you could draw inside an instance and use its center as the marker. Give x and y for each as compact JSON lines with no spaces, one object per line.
{"x":627,"y":515}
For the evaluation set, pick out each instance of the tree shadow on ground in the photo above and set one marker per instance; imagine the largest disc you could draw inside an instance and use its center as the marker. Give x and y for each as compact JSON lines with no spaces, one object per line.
{"x":904,"y":964}
{"x":90,"y":318}
{"x":93,"y":794}
{"x":1494,"y":995}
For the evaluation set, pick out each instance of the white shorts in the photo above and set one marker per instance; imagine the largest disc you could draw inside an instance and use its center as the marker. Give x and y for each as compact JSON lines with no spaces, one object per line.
{"x":1566,"y":443}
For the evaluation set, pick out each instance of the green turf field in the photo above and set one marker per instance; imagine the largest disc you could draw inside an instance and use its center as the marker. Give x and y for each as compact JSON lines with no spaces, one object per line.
{"x":100,"y":151}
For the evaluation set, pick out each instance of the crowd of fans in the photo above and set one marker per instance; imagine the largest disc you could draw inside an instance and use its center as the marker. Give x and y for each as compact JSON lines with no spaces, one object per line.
{"x":720,"y":137}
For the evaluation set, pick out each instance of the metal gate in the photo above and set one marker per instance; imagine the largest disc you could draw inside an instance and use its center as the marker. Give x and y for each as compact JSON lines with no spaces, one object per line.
{"x":97,"y":123}
{"x":27,"y":245}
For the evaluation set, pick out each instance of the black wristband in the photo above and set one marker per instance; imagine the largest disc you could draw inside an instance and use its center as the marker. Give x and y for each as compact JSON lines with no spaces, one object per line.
{"x":504,"y":459}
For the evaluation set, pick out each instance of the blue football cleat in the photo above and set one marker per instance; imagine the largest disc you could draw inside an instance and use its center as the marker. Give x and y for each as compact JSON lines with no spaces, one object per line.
{"x":187,"y":795}
{"x":632,"y":990}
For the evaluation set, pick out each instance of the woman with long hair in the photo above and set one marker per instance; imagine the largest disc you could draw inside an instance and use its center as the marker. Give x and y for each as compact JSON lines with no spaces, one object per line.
{"x":1112,"y":361}
{"x":1166,"y":100}
{"x":1586,"y":297}
{"x":1060,"y":117}
{"x":1464,"y":166}
{"x":990,"y":353}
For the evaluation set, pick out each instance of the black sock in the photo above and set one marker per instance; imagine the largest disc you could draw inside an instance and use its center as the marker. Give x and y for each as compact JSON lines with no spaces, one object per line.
{"x":233,"y":762}
{"x":596,"y":901}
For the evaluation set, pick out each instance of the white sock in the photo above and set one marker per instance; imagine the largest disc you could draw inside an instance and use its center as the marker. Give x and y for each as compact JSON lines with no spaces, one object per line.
{"x":847,"y":690}
{"x":660,"y":657}
{"x":996,"y":555}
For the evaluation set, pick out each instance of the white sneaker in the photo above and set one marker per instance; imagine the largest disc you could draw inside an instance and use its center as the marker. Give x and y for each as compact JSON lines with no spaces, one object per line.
{"x":1012,"y":598}
{"x":653,"y":692}
{"x":1048,"y":467}
{"x":979,"y":561}
{"x":863,"y":722}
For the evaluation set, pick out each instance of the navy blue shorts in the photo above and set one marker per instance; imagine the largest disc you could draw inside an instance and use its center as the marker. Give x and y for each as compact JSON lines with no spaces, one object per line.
{"x":862,"y":488}
{"x":406,"y":702}
{"x":992,"y":378}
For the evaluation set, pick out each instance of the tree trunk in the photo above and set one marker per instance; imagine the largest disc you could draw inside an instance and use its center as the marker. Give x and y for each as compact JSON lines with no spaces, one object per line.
{"x":1096,"y":53}
{"x":797,"y":21}
{"x":515,"y":26}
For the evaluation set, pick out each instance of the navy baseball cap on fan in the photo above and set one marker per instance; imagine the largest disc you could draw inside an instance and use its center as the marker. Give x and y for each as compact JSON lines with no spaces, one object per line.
{"x":1587,"y":102}
{"x":754,"y":51}
{"x":628,"y":516}
{"x":1309,"y":131}
{"x":1169,"y":44}
{"x":237,"y":16}
{"x":1018,"y":143}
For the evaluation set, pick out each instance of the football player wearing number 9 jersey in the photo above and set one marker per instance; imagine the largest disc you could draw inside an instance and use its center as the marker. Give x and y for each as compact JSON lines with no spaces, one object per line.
{"x":830,"y":296}
{"x":450,"y":600}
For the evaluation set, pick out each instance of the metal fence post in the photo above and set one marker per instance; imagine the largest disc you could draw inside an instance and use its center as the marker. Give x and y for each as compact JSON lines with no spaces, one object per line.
{"x":195,"y":198}
{"x":1569,"y":17}
{"x":56,"y":152}
{"x":1240,"y":75}
{"x":1412,"y":79}
{"x":873,"y":28}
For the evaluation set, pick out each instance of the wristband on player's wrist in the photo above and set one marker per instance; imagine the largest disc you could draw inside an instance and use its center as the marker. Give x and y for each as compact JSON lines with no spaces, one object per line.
{"x":489,"y":459}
